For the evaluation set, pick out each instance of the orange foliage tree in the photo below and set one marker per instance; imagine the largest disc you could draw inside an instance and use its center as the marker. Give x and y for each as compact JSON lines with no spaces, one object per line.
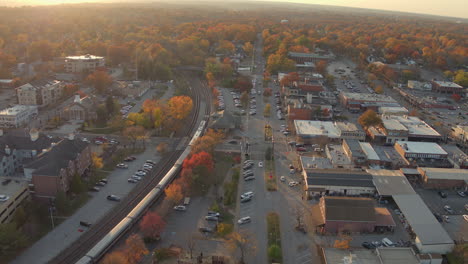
{"x":180,"y":107}
{"x":174,"y":192}
{"x":135,"y":249}
{"x":115,"y":257}
{"x":152,"y":225}
{"x":100,"y":80}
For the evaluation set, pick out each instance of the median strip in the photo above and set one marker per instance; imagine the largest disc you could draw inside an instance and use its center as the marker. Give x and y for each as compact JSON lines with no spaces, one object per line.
{"x":275,"y":254}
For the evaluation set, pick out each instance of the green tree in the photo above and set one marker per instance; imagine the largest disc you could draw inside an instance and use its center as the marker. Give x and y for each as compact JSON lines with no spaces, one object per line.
{"x":77,"y":185}
{"x":110,"y":106}
{"x":11,"y":239}
{"x":461,"y":78}
{"x":20,"y":217}
{"x":274,"y":253}
{"x":369,"y":118}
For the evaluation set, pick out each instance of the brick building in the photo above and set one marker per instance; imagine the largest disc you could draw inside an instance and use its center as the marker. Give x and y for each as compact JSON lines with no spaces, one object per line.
{"x":443,"y":178}
{"x":447,"y":87}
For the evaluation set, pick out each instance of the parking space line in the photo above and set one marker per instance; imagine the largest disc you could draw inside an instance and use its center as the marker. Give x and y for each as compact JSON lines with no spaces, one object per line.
{"x":306,"y":255}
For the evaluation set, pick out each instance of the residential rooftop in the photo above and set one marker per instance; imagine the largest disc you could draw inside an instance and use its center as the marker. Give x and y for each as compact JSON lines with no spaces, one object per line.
{"x":421,"y":147}
{"x":316,"y":128}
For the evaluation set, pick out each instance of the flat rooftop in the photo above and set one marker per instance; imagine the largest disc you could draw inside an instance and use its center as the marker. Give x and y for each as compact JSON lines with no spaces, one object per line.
{"x":392,"y":124}
{"x":16,"y":109}
{"x":369,"y":97}
{"x":422,"y":147}
{"x":315,"y":163}
{"x":84,"y":57}
{"x":391,"y":182}
{"x":422,"y":221}
{"x":349,"y":209}
{"x":316,"y":128}
{"x":365,"y":256}
{"x":337,"y":156}
{"x":448,"y":84}
{"x":413,"y":124}
{"x":389,"y":154}
{"x":337,"y":177}
{"x":369,"y":151}
{"x":442,"y":173}
{"x":392,"y":109}
{"x":10,"y":187}
{"x":348,"y":127}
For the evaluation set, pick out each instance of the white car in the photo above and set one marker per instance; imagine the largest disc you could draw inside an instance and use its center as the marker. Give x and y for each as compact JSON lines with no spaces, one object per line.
{"x":122,"y":166}
{"x":244,"y":220}
{"x":282,"y":178}
{"x":293,"y":183}
{"x":247,"y":194}
{"x":135,"y":177}
{"x":180,"y":208}
{"x":4,"y":198}
{"x":140,"y":173}
{"x":260,"y":164}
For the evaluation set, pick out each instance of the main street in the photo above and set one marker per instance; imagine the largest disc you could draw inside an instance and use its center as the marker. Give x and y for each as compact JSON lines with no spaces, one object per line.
{"x":296,"y":246}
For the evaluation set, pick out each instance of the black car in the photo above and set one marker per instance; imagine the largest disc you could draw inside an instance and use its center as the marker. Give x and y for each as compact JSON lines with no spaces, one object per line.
{"x":84,"y":223}
{"x":113,"y":198}
{"x":368,"y":245}
{"x":442,"y":194}
{"x":438,"y":217}
{"x":205,"y":230}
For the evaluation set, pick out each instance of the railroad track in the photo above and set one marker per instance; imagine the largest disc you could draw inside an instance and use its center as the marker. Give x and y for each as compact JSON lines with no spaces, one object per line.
{"x":81,"y":246}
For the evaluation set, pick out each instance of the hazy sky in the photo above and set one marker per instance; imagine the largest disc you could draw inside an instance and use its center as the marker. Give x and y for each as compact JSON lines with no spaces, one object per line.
{"x":453,"y":8}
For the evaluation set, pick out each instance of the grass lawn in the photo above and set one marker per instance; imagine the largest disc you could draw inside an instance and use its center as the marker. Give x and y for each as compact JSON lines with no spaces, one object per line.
{"x":274,"y":238}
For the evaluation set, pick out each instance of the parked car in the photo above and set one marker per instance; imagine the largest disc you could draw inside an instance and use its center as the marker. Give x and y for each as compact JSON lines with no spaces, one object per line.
{"x":446,"y":218}
{"x":301,"y":149}
{"x":438,"y":217}
{"x":205,"y":230}
{"x":135,"y":177}
{"x":150,"y":162}
{"x":131,"y":180}
{"x":461,"y":193}
{"x":247,"y":194}
{"x":130,"y":158}
{"x":293,"y":183}
{"x":85,"y":224}
{"x":211,"y":218}
{"x":442,"y":194}
{"x":140,"y":173}
{"x":368,"y":245}
{"x":246,"y":199}
{"x":103,"y":180}
{"x":244,"y":220}
{"x":387,"y":242}
{"x":260,"y":164}
{"x":213,"y":213}
{"x":249,"y":178}
{"x":282,"y":178}
{"x":113,"y":197}
{"x":93,"y":189}
{"x":180,"y":208}
{"x":448,"y":209}
{"x":122,"y":166}
{"x":100,"y":184}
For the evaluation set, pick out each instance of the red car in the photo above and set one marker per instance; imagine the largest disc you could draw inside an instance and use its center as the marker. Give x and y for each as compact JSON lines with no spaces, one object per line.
{"x":301,"y":149}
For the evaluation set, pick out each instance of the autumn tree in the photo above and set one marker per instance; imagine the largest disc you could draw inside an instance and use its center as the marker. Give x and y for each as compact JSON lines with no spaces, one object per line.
{"x":267,"y":110}
{"x":174,"y":192}
{"x":201,"y":159}
{"x":243,"y":84}
{"x":461,"y":78}
{"x":369,"y":118}
{"x":96,"y":161}
{"x":115,"y":257}
{"x":162,"y":148}
{"x":134,"y":133}
{"x":100,"y":80}
{"x":456,"y":97}
{"x":180,"y":107}
{"x":321,"y":67}
{"x":207,"y":142}
{"x":243,"y":243}
{"x":248,"y":48}
{"x":267,"y":92}
{"x":379,"y":89}
{"x":289,"y":79}
{"x":152,"y":225}
{"x":135,"y":249}
{"x":244,"y":98}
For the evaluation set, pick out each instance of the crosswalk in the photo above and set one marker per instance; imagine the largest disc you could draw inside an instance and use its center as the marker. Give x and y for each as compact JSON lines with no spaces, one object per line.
{"x":304,"y":257}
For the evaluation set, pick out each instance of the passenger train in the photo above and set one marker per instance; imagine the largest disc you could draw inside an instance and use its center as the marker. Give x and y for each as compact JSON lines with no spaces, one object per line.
{"x":95,"y":253}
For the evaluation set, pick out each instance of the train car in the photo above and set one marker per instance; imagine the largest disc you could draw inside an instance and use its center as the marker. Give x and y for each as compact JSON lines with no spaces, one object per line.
{"x":95,"y":253}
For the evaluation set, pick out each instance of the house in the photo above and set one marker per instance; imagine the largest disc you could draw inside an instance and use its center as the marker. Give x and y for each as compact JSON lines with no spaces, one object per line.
{"x":40,"y":92}
{"x":443,"y":178}
{"x":224,"y":121}
{"x":18,"y":147}
{"x":52,"y":170}
{"x":17,"y":116}
{"x":81,"y":109}
{"x":447,"y":87}
{"x":337,"y":181}
{"x":84,"y":63}
{"x":354,"y":215}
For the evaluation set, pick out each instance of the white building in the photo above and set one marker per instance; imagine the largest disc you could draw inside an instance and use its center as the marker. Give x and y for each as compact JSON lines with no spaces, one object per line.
{"x":40,"y":93}
{"x":17,"y":115}
{"x":422,"y":86}
{"x":78,"y":64}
